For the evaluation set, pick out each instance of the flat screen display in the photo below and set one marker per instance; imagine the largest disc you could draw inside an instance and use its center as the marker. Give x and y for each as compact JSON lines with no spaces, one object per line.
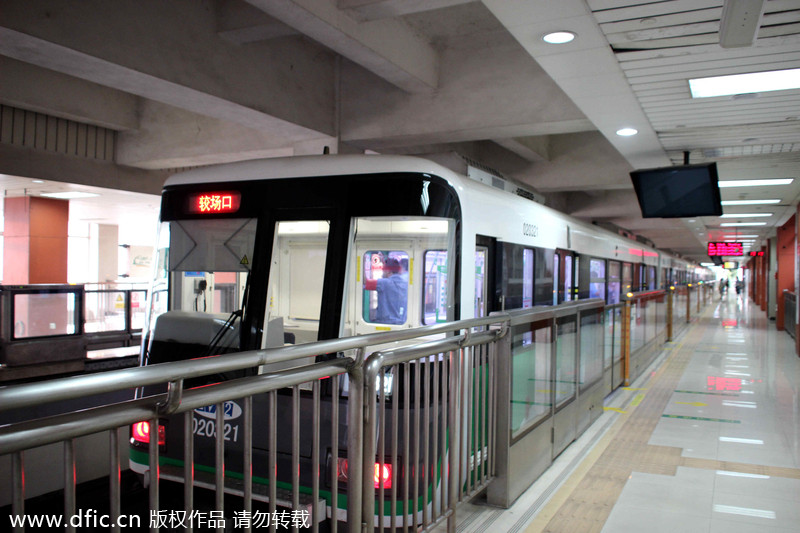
{"x":678,"y":192}
{"x":718,"y":249}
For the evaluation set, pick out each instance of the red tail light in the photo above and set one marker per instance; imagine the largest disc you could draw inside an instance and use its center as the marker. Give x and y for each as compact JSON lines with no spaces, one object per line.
{"x":382,"y":473}
{"x":140,"y":432}
{"x":383,"y":476}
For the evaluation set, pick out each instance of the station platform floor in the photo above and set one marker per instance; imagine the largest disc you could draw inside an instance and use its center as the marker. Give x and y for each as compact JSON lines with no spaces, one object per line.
{"x":707,"y":440}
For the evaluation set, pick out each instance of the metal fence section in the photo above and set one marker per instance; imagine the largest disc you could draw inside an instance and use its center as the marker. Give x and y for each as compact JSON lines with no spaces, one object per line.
{"x":444,"y":443}
{"x":409,"y":423}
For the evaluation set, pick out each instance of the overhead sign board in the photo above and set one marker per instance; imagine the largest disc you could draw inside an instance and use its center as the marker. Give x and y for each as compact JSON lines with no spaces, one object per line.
{"x":718,"y":249}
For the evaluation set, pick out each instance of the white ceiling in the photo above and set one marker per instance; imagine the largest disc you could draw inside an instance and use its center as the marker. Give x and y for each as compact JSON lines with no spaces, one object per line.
{"x":188,"y":83}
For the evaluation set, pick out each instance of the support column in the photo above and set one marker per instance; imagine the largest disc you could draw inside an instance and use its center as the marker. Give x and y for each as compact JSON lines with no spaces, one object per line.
{"x":35,"y":240}
{"x":785,"y":273}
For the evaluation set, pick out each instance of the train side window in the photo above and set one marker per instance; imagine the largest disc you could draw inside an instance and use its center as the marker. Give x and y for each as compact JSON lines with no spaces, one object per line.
{"x":627,"y":278}
{"x":527,"y":278}
{"x":435,"y":289}
{"x":614,"y":288}
{"x":597,"y":278}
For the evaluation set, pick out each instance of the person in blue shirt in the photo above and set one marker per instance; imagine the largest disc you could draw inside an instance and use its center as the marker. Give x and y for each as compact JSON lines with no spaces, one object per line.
{"x":392,"y":292}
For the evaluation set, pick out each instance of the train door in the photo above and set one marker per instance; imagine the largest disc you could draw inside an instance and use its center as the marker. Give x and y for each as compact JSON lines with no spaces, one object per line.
{"x":563,"y":277}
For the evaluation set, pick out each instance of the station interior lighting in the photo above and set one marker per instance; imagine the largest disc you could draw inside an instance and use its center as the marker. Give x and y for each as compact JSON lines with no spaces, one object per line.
{"x":755,"y":183}
{"x":753,"y":82}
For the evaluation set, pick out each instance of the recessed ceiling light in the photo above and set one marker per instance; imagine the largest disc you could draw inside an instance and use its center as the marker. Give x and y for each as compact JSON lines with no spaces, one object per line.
{"x":751,"y":202}
{"x":38,"y":181}
{"x":746,"y":215}
{"x":627,"y":132}
{"x":559,"y":37}
{"x":755,"y":183}
{"x":754,"y":82}
{"x":70,"y":195}
{"x":743,"y":224}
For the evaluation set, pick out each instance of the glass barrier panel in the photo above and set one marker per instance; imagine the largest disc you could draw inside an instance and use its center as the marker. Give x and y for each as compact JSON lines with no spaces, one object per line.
{"x":565,"y":358}
{"x":637,"y":326}
{"x":591,"y":365}
{"x":608,"y":345}
{"x":138,"y":309}
{"x":652,"y":303}
{"x":104,"y":311}
{"x":45,"y":315}
{"x":530,"y":375}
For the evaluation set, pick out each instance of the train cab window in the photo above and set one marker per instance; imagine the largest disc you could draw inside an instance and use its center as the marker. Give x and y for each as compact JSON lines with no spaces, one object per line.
{"x":203,"y":266}
{"x":597,"y":280}
{"x":435,"y":290}
{"x":296,"y":280}
{"x":399,"y":274}
{"x":614,"y":271}
{"x":385,"y":287}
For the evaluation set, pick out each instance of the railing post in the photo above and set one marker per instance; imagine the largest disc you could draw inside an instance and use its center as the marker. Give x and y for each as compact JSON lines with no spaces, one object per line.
{"x":688,"y":303}
{"x":670,"y":295}
{"x":355,"y":445}
{"x":454,"y":490}
{"x":626,"y":342}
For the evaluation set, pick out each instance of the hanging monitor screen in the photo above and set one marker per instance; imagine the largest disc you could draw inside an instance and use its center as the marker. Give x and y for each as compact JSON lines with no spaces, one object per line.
{"x":717,"y":249}
{"x":681,"y":191}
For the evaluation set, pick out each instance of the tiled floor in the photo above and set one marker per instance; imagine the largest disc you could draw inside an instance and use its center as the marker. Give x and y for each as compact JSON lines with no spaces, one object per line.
{"x":733,"y":413}
{"x":709,"y":442}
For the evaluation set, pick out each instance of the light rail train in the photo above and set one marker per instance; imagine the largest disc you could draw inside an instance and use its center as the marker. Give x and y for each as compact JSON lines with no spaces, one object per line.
{"x":261,"y":254}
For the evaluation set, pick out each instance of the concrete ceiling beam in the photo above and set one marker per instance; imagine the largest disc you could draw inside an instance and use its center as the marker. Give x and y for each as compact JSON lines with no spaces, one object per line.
{"x":387,"y":47}
{"x":364,"y":10}
{"x":27,"y":86}
{"x":172,"y":54}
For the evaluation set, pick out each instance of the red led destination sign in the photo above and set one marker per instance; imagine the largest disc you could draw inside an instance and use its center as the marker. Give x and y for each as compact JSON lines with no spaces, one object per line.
{"x":718,"y":249}
{"x":208,"y":203}
{"x":757,"y":254}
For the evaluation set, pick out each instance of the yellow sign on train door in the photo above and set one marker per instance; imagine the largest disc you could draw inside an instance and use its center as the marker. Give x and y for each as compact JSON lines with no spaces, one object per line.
{"x":120,"y":303}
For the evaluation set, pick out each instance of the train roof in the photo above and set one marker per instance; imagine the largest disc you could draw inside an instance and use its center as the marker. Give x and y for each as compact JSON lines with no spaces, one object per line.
{"x":353,"y":164}
{"x":310,"y":166}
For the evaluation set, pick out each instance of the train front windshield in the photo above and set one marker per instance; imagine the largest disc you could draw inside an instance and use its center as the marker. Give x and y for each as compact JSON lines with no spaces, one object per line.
{"x":202,"y":275}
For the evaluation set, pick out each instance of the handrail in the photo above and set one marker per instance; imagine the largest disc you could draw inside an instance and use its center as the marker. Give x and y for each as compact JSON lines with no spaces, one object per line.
{"x":25,"y":395}
{"x":17,"y":437}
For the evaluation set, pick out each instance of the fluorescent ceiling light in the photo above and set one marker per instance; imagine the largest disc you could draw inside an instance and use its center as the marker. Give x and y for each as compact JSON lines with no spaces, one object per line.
{"x":746,"y":215}
{"x":754,"y":82}
{"x":750,"y":202}
{"x":729,"y":236}
{"x":743,"y":224}
{"x":755,"y":183}
{"x":627,"y":132}
{"x":559,"y":37}
{"x":70,"y":195}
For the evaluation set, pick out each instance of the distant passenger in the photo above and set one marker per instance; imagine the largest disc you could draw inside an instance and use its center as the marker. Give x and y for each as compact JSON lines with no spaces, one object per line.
{"x":392,"y":292}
